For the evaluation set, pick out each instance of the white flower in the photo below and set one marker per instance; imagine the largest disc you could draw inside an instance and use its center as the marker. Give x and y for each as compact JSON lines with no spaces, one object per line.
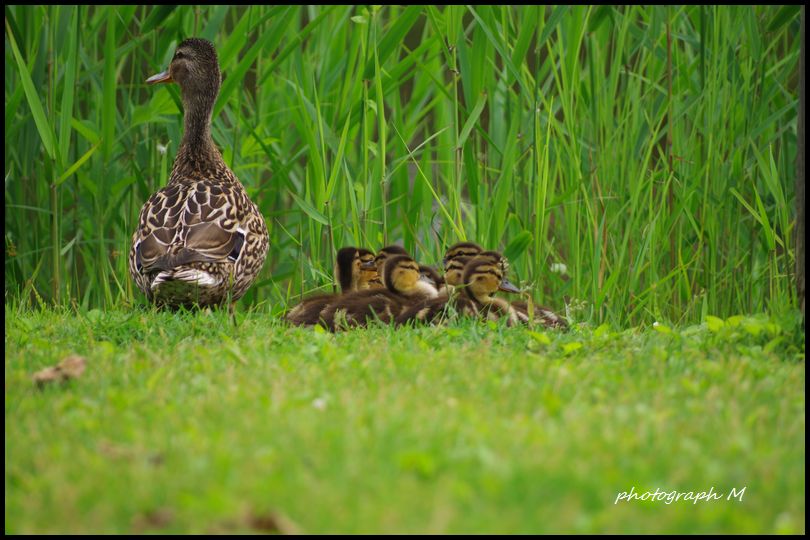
{"x":559,"y":268}
{"x":319,"y":403}
{"x":161,"y":148}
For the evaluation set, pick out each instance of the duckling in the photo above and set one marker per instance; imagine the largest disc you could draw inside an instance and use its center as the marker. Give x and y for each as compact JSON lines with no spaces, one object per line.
{"x":484,"y":276}
{"x":349,"y":275}
{"x":452,"y":269}
{"x":200,"y":240}
{"x":405,"y":286}
{"x":527,"y":311}
{"x":480,"y":279}
{"x":379,"y":263}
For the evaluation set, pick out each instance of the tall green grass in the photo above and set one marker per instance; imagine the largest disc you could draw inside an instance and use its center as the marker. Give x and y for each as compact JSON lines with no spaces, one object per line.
{"x":648,"y":149}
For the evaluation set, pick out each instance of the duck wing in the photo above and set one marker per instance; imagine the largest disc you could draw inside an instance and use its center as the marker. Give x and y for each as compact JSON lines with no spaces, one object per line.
{"x":187,"y":223}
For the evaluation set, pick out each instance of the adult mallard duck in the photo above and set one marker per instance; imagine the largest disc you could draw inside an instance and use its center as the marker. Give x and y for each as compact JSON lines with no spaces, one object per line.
{"x":200,"y":240}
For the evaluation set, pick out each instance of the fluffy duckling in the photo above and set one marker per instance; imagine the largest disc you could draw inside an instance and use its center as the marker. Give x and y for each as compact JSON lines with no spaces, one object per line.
{"x":404,"y":286}
{"x":454,"y":260}
{"x":349,"y":275}
{"x":527,"y":311}
{"x":454,"y":272}
{"x":482,"y":276}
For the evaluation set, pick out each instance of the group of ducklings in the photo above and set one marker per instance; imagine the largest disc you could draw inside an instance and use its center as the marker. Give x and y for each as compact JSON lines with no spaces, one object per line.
{"x":392,"y":287}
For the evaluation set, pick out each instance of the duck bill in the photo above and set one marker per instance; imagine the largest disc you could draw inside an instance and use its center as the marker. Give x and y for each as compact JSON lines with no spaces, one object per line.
{"x":163,"y":77}
{"x":507,"y":286}
{"x":368,"y":265}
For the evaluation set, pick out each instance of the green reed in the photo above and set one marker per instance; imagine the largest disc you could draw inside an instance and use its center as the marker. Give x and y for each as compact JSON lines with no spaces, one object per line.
{"x":650,"y":150}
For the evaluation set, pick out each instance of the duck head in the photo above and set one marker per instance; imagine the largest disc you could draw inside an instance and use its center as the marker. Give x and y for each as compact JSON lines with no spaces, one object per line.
{"x":454,"y":270}
{"x":403,"y":276}
{"x":383,"y":255}
{"x":195,"y":68}
{"x":483,"y":277}
{"x":368,"y":271}
{"x":462,"y":249}
{"x":503,"y":264}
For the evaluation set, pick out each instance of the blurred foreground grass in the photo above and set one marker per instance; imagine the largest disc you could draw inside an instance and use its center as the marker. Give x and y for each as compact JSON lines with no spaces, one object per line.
{"x":185,"y":423}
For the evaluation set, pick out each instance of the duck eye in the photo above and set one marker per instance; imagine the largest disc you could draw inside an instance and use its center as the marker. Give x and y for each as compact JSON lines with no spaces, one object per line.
{"x":178,"y":55}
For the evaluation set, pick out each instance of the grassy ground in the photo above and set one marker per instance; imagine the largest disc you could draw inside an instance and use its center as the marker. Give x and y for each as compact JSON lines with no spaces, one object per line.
{"x":186,"y":423}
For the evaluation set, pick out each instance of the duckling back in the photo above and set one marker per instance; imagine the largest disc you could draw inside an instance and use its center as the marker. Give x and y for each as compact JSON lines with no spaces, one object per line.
{"x":538,"y":315}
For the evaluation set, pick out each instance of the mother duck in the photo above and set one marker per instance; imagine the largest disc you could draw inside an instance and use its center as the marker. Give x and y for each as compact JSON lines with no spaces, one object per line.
{"x":200,"y":240}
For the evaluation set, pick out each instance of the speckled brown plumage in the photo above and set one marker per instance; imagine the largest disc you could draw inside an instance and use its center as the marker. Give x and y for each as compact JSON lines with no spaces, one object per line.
{"x":200,"y":240}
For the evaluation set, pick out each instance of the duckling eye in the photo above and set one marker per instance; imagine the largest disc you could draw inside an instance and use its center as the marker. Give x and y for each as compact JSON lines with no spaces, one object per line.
{"x":179,"y":54}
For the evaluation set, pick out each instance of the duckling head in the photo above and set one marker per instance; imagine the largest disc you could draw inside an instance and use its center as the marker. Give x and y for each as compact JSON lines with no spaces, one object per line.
{"x":462,"y":249}
{"x":402,"y":276}
{"x":454,"y":270}
{"x":483,"y":277}
{"x":383,"y":255}
{"x":503,"y":264}
{"x":368,"y":271}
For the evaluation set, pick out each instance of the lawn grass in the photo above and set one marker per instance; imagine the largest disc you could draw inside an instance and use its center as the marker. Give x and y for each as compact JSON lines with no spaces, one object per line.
{"x":188,"y":422}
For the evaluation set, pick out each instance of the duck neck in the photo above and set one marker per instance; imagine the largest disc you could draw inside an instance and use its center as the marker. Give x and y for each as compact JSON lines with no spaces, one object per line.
{"x":197,"y":143}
